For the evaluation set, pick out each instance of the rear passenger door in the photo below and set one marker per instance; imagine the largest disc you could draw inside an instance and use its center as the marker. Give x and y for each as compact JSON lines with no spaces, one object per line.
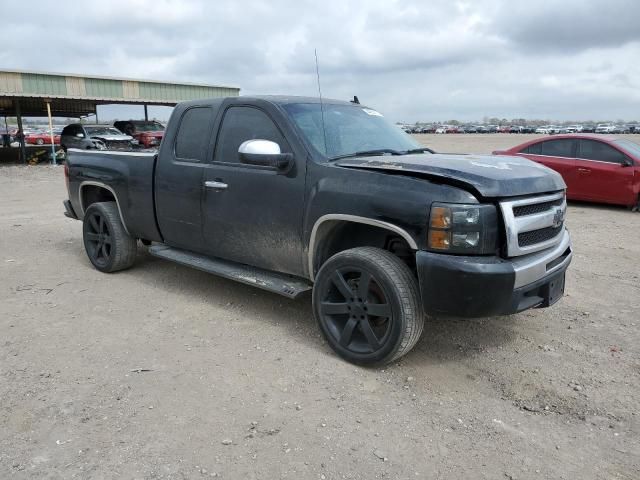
{"x":557,"y":154}
{"x":178,"y":178}
{"x":252,"y":214}
{"x":603,"y":174}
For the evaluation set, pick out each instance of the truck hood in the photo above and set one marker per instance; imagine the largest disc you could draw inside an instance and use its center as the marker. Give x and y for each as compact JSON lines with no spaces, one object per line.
{"x":499,"y":176}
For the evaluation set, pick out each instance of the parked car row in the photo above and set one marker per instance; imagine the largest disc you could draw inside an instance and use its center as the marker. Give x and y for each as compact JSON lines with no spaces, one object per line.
{"x":545,"y":129}
{"x":123,"y":135}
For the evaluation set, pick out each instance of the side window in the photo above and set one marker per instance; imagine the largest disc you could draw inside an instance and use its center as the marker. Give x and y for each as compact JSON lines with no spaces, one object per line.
{"x":75,"y":130}
{"x":193,"y":134}
{"x":558,"y":148}
{"x":534,"y":149}
{"x":241,"y":124}
{"x":594,"y":150}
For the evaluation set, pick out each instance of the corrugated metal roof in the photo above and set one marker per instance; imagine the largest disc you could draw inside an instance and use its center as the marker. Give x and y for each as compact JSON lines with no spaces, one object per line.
{"x":71,"y":93}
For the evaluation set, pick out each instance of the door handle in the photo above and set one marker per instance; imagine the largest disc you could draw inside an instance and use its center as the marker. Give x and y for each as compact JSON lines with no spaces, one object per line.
{"x":584,"y":170}
{"x":215,"y":185}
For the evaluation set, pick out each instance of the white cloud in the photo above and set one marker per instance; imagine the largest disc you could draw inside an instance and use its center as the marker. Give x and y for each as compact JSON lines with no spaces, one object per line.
{"x":411,"y":59}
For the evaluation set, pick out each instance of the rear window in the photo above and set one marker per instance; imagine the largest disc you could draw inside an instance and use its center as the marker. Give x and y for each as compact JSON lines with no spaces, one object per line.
{"x":194,"y":134}
{"x":558,"y":148}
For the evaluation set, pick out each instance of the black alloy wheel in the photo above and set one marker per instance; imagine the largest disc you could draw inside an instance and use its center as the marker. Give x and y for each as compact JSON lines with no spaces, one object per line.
{"x":367,"y":306}
{"x":98,"y":239}
{"x":356,"y":310}
{"x":108,"y":244}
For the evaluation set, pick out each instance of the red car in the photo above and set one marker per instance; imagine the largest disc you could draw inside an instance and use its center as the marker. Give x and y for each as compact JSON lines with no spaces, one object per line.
{"x":595,"y":168}
{"x":41,"y":138}
{"x":149,"y":133}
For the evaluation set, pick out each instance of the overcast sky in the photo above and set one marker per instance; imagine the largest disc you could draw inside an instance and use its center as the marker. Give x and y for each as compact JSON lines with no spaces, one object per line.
{"x":412,"y":60}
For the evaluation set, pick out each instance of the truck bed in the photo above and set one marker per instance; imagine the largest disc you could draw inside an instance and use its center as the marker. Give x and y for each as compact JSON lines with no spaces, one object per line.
{"x":128,"y":175}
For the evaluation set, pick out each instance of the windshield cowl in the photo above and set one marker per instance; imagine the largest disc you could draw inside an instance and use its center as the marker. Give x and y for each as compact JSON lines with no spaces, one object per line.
{"x":383,"y":151}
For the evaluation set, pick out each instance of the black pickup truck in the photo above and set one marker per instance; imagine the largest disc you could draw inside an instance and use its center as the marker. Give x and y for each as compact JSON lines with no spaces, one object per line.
{"x":291,"y":194}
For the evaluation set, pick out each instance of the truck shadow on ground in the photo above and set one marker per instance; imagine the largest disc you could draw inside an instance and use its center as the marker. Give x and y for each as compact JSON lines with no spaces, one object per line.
{"x":444,"y":339}
{"x":451,"y":338}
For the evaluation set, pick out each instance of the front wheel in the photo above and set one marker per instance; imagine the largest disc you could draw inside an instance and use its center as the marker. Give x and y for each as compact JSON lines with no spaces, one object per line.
{"x":108,"y":245}
{"x":367,"y":305}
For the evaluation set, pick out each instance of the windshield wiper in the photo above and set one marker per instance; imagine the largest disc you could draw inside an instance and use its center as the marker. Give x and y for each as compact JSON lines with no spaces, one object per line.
{"x":370,"y":153}
{"x":418,"y":150}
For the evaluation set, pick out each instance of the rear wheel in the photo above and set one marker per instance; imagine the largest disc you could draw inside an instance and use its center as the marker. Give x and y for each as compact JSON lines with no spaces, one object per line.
{"x":108,"y":245}
{"x":367,"y":305}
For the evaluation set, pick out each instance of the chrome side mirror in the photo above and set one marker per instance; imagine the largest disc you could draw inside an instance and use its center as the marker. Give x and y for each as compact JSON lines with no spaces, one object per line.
{"x":265,"y":153}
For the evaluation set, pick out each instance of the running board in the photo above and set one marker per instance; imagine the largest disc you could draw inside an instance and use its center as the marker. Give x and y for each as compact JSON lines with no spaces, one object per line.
{"x":280,"y":283}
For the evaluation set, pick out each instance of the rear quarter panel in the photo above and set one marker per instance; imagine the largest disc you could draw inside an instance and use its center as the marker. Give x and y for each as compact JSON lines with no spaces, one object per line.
{"x":128,"y":174}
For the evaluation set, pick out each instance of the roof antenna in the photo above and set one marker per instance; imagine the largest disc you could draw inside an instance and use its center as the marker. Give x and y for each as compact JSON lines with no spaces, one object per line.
{"x":324,"y":131}
{"x":355,"y":100}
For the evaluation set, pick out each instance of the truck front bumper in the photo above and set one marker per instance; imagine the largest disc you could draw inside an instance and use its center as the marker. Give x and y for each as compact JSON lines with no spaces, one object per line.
{"x":484,"y":286}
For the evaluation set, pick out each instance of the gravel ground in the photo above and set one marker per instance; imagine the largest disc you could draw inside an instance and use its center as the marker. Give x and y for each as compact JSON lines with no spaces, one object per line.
{"x":166,"y":372}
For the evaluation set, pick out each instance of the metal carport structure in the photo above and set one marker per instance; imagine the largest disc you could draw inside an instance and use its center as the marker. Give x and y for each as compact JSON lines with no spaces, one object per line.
{"x":42,"y":94}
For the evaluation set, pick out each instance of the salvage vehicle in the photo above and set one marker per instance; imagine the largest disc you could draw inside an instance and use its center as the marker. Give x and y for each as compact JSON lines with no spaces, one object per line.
{"x":595,"y":168}
{"x":291,"y":194}
{"x":95,"y":137}
{"x":148,"y":133}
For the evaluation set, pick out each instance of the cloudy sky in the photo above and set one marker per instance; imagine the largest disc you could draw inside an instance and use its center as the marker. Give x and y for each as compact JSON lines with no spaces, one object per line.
{"x":413,"y":60}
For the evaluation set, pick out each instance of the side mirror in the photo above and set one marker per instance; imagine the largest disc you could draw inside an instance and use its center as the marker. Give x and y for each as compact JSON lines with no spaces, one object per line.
{"x":265,"y":153}
{"x":80,"y":135}
{"x":627,"y":162}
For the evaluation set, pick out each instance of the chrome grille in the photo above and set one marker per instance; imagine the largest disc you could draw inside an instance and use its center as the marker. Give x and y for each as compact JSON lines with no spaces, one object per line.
{"x":534,"y":223}
{"x":536,"y":236}
{"x":534,"y":208}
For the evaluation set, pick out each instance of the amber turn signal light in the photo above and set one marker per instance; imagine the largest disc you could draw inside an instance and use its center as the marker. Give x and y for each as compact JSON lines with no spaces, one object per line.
{"x":440,"y":217}
{"x":439,"y":239}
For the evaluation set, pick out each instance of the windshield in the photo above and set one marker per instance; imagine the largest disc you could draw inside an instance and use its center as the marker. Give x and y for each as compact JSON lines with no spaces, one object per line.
{"x":102,"y":131}
{"x":348,"y":129}
{"x":632,"y":147}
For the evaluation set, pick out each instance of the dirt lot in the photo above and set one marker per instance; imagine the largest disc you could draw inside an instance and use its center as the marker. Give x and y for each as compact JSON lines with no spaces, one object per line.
{"x":166,"y":372}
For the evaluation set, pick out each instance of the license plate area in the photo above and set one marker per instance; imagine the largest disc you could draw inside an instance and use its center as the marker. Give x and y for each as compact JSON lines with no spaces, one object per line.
{"x":553,"y":291}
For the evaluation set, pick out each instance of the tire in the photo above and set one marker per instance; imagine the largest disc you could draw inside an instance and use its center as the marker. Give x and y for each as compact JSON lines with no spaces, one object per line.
{"x":109,"y":247}
{"x":343,"y":306}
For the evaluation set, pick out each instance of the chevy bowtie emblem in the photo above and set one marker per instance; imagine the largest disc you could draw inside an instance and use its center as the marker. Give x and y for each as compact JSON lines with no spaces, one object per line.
{"x":558,"y":218}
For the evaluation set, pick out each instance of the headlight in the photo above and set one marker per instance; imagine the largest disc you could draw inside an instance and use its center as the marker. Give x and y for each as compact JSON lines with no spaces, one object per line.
{"x":465,"y":229}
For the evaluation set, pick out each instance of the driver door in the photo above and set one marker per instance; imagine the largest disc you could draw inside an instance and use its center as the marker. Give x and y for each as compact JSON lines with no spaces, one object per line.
{"x":253,"y":214}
